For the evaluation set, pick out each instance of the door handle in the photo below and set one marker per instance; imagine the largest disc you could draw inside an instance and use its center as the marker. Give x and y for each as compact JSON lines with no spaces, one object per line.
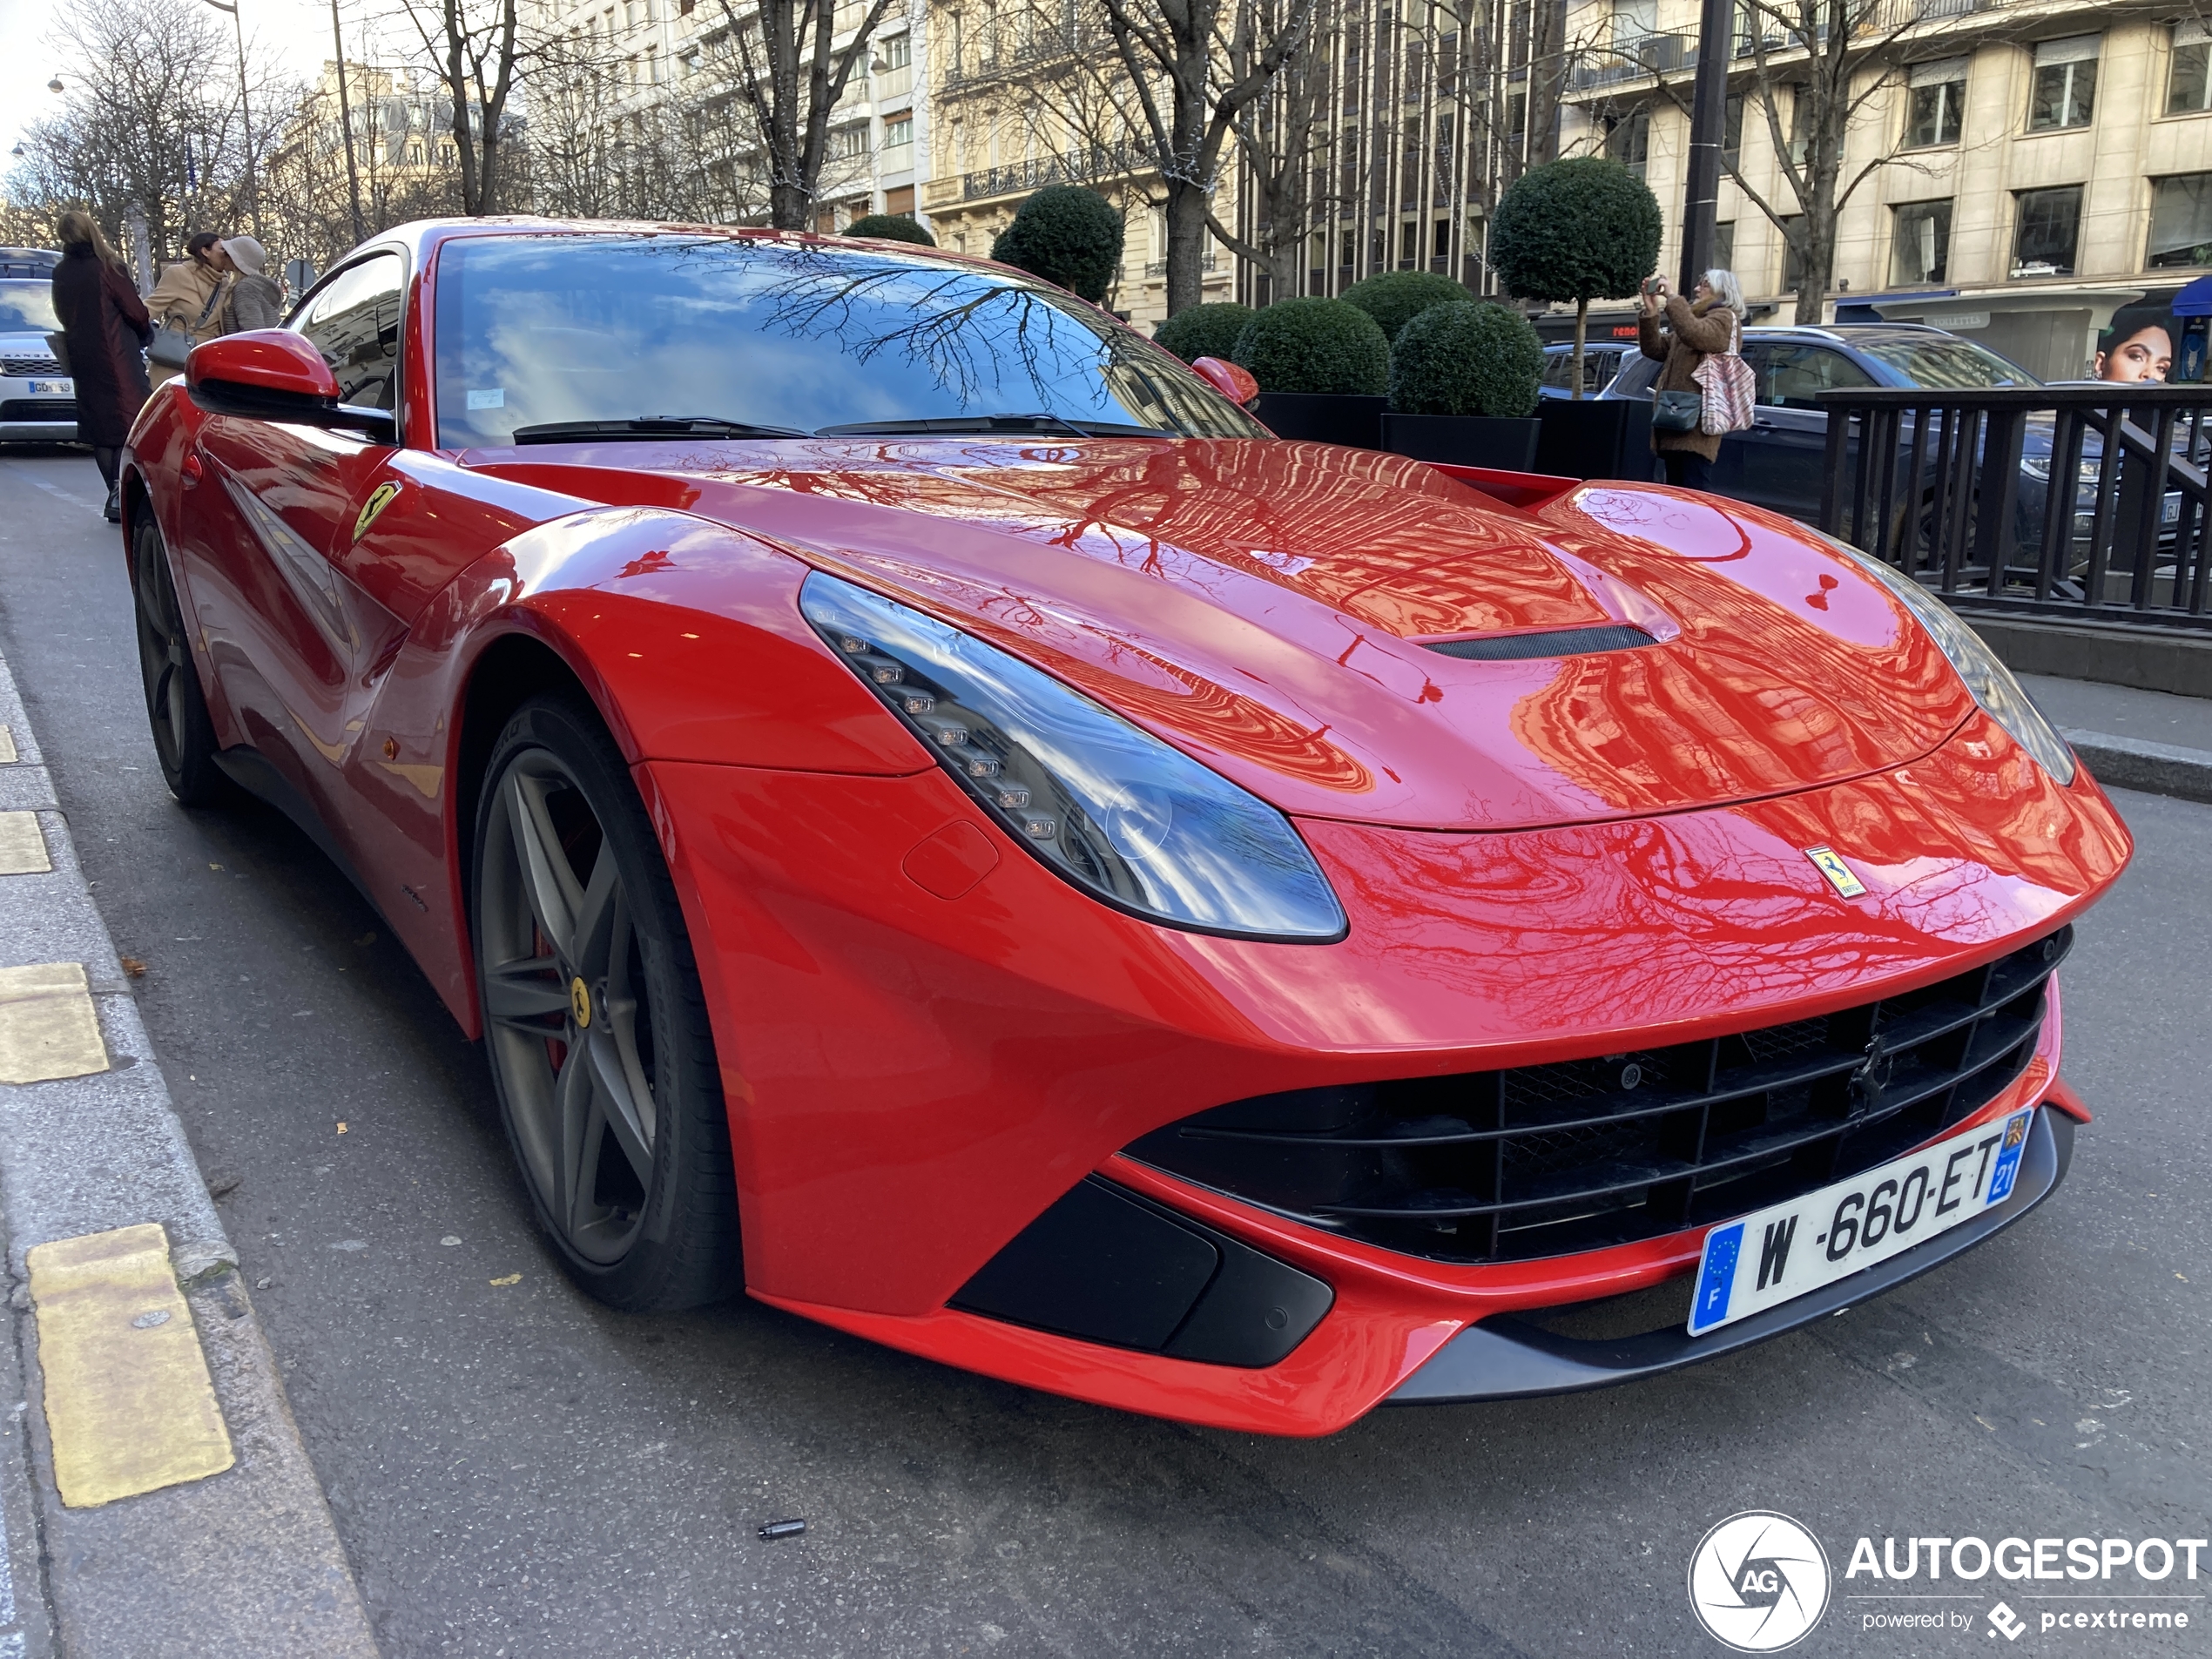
{"x":191,"y":470}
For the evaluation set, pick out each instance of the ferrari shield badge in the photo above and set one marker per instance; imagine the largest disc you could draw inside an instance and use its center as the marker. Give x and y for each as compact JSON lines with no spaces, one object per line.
{"x":1830,"y":864}
{"x":379,"y":499}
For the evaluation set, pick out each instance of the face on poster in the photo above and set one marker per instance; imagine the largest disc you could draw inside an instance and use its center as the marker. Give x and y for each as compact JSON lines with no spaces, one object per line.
{"x":2147,"y":342}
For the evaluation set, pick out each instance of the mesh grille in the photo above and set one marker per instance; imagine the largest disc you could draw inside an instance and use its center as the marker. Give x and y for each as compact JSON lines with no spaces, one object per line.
{"x":1540,"y":1160}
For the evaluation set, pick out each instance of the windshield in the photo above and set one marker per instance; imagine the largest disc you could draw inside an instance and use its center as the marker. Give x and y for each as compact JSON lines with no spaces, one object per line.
{"x":537,"y":332}
{"x":27,"y":307}
{"x":1952,"y":365}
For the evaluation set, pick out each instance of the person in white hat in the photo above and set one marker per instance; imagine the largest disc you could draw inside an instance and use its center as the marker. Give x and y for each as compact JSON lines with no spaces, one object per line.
{"x":255,"y":301}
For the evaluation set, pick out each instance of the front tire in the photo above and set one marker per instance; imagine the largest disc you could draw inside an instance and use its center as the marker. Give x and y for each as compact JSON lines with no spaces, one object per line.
{"x":183,"y":732}
{"x":595,"y":1022}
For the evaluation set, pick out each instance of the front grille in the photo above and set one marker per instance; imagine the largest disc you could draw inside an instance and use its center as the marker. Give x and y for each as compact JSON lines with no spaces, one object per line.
{"x":38,"y":408}
{"x":27,"y":366}
{"x":1540,"y":1160}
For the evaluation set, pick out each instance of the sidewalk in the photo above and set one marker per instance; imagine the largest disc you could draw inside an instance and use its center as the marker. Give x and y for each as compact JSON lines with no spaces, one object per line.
{"x":2132,"y":739}
{"x":155,"y":1495}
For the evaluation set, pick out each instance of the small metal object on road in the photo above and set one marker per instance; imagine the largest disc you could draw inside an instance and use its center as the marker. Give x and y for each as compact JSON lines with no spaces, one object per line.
{"x":775,"y":1530}
{"x":450,"y":1239}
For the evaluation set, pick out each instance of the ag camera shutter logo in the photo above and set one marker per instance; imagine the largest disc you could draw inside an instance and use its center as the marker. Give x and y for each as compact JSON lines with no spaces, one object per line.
{"x":1759,"y":1581}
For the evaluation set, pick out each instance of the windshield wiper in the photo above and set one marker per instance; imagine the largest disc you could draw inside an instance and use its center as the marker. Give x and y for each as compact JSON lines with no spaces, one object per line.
{"x":1040,"y":422}
{"x":650,"y":426}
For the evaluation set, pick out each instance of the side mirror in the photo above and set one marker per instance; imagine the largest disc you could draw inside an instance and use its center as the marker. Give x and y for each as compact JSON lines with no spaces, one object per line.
{"x":1234,"y":383}
{"x":274,"y":375}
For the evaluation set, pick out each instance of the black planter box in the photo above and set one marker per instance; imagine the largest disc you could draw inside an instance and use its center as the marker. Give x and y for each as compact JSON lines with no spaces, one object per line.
{"x":1324,"y":417}
{"x":1596,"y":437}
{"x":1503,"y":445}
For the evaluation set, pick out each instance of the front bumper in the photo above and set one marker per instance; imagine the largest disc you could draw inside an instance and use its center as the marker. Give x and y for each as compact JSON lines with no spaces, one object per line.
{"x":1508,"y":1358}
{"x":913,"y":1079}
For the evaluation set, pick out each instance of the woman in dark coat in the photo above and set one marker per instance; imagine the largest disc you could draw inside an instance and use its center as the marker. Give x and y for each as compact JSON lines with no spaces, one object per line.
{"x":1681,"y":333}
{"x":106,"y":325}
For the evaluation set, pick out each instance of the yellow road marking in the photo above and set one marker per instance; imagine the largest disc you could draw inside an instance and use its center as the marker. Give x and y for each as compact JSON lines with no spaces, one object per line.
{"x":7,"y":747}
{"x":48,"y":1028}
{"x":129,"y":1403}
{"x":23,"y":849}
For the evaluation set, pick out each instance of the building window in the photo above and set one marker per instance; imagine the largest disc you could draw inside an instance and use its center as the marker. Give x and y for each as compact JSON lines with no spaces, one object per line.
{"x":1732,"y":130}
{"x":1936,"y":99}
{"x":1793,"y":268}
{"x":1724,"y":245}
{"x":848,"y":141}
{"x":2180,"y":221}
{"x":2049,"y":224}
{"x":2188,"y":83}
{"x":414,"y":154}
{"x":1920,"y":249}
{"x":1627,"y":140}
{"x":899,"y":134}
{"x":2065,"y":82}
{"x":898,"y":52}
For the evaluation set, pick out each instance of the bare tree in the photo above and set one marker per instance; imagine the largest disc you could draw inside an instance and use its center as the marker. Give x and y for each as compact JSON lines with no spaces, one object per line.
{"x":1192,"y":66}
{"x":151,"y":121}
{"x":477,"y":49}
{"x":1281,"y":136}
{"x":790,"y":74}
{"x":1821,"y":71}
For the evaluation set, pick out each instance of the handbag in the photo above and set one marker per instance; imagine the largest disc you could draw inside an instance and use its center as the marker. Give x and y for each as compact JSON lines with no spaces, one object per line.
{"x":170,"y":346}
{"x":1732,"y":390}
{"x":1676,"y":411}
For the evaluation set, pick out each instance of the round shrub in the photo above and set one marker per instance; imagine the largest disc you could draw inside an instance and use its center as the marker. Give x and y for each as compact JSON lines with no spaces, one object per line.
{"x":1575,"y":231}
{"x":1395,"y":298}
{"x":1467,"y":358}
{"x":892,"y":227}
{"x":1067,"y":235}
{"x":1315,"y":346}
{"x":1204,"y":331}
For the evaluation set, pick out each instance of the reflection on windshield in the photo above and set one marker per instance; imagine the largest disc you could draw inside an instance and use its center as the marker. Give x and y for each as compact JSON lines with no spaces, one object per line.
{"x":27,"y":308}
{"x":1951,"y":365}
{"x":534,"y":330}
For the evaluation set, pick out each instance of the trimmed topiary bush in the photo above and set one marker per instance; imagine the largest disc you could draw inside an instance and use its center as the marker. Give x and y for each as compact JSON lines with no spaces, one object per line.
{"x":1068,"y":235}
{"x":1204,"y":331}
{"x":892,"y":227}
{"x":1578,"y":230}
{"x":1395,"y":298}
{"x":1467,"y":358}
{"x":1316,"y":346}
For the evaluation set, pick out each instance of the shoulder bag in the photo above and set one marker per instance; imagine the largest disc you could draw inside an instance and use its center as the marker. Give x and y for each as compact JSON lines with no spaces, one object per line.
{"x":1730,"y":389}
{"x":170,"y":346}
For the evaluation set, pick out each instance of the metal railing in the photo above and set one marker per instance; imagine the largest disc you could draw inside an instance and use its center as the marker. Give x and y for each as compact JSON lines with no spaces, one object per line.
{"x":2089,"y":501}
{"x":1071,"y":167}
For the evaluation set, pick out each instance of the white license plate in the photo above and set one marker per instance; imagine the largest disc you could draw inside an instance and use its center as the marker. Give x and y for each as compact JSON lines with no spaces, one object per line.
{"x":51,"y":389}
{"x":2169,"y":511}
{"x":1770,"y":1256}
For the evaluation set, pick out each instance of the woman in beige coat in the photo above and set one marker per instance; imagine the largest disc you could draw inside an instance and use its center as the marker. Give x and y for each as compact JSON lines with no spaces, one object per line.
{"x":189,"y":297}
{"x":1710,"y":320}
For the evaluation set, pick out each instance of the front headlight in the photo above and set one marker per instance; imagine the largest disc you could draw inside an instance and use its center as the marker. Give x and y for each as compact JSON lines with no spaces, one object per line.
{"x":1991,"y":682}
{"x":1111,"y":808}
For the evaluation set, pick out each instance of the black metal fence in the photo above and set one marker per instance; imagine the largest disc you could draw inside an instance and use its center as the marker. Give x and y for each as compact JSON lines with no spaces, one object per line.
{"x":2087,"y":501}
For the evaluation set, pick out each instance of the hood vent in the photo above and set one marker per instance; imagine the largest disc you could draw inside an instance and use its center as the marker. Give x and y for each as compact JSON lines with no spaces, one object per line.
{"x":1560,"y":642}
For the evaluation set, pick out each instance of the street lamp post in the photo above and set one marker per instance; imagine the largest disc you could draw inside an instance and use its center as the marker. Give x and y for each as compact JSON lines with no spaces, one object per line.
{"x":1708,"y":126}
{"x":245,"y":116}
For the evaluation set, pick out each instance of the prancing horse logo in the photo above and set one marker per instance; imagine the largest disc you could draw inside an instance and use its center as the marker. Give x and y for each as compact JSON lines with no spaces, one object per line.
{"x":379,"y":499}
{"x":1873,"y":1077}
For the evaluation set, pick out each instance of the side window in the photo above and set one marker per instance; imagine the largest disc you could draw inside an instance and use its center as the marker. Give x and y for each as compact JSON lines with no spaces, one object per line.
{"x":354,"y":323}
{"x":1792,"y":375}
{"x":1635,"y":379}
{"x":1557,"y":365}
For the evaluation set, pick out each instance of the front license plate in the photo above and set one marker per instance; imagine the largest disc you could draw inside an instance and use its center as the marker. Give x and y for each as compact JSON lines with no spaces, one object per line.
{"x":1768,"y":1257}
{"x":51,"y":388}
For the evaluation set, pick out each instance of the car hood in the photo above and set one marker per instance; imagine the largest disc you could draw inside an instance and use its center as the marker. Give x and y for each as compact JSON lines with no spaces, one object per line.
{"x":1276,"y":609}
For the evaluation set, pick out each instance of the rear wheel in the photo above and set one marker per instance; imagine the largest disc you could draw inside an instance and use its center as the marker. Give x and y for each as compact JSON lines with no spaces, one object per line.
{"x":594,"y":1021}
{"x":184,"y":732}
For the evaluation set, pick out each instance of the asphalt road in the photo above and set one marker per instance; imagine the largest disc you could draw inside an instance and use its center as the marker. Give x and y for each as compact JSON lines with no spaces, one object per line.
{"x":516,"y":1471}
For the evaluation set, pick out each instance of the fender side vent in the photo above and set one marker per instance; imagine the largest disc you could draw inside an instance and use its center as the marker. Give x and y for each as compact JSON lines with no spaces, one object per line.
{"x":1560,"y":642}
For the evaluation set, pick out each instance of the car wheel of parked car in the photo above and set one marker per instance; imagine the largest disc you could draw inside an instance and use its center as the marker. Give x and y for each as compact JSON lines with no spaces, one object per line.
{"x":184,"y":732}
{"x":594,"y":1021}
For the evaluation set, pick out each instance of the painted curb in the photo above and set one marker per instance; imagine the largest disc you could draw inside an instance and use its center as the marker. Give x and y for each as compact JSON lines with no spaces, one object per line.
{"x":246,"y":1561}
{"x":2137,"y":763}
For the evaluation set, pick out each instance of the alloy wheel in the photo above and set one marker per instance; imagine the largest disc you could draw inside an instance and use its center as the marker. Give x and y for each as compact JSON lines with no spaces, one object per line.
{"x":568,"y":1007}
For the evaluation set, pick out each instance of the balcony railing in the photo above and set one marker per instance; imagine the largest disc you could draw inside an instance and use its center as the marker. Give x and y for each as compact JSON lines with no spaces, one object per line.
{"x":1159,"y":267}
{"x":2088,"y":501}
{"x":1071,"y":166}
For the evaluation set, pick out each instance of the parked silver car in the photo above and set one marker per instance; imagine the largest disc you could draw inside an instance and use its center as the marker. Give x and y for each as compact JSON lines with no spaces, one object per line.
{"x":37,"y":402}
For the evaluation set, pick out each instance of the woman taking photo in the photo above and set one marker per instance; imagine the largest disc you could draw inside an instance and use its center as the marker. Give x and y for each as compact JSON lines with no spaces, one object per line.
{"x":1681,"y":333}
{"x":106,"y":327}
